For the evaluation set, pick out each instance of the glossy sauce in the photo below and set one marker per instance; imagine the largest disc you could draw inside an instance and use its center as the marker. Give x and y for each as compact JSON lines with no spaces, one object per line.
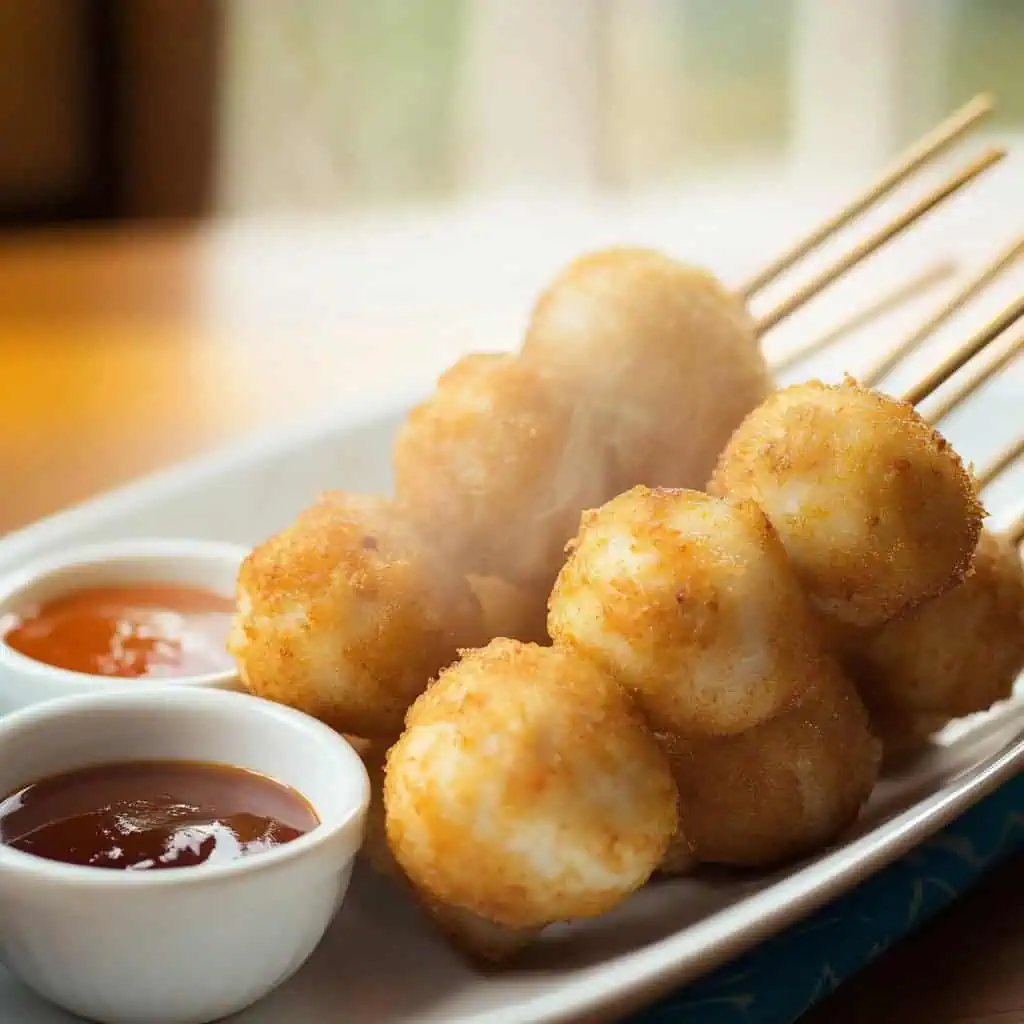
{"x":154,"y":631}
{"x":150,"y":815}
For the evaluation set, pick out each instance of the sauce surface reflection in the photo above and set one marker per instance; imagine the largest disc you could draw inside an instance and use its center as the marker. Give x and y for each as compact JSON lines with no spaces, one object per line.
{"x":153,"y":630}
{"x":151,"y":815}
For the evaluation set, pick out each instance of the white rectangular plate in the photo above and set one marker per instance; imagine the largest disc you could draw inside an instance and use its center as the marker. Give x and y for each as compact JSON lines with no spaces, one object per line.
{"x":380,"y":962}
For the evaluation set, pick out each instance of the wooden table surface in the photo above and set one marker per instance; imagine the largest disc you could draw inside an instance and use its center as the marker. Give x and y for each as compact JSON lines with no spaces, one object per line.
{"x":112,"y":363}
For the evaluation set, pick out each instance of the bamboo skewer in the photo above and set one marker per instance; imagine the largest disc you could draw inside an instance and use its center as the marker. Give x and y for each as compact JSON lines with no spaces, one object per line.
{"x":971,"y":290}
{"x":937,"y":140}
{"x":967,"y":351}
{"x":862,"y":317}
{"x":879,"y":238}
{"x":979,"y":377}
{"x":1005,"y":458}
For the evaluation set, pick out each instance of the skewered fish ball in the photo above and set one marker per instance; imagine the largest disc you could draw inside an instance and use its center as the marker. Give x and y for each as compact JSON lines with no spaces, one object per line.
{"x":783,"y":789}
{"x":690,"y":602}
{"x":527,"y":789}
{"x":346,"y":614}
{"x":958,"y":654}
{"x":495,"y":467}
{"x":875,"y":509}
{"x":662,"y":351}
{"x":468,"y":932}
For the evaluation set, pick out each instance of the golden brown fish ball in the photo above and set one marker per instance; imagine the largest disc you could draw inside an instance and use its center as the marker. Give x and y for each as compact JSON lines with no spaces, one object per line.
{"x":467,"y":932}
{"x":667,"y":356}
{"x":875,"y":509}
{"x":346,"y":614}
{"x":690,"y":602}
{"x":495,"y":468}
{"x":512,"y":610}
{"x":527,"y":789}
{"x":958,"y":654}
{"x":783,"y":789}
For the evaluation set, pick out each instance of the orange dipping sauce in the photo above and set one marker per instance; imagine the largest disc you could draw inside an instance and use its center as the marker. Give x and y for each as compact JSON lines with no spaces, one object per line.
{"x":155,"y":631}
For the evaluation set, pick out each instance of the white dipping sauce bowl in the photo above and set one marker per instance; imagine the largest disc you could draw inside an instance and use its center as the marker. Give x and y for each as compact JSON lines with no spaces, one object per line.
{"x":184,"y":945}
{"x":209,"y":565}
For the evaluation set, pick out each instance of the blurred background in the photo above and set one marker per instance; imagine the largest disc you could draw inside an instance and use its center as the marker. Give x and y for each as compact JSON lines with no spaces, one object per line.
{"x":217,"y":215}
{"x":135,"y":109}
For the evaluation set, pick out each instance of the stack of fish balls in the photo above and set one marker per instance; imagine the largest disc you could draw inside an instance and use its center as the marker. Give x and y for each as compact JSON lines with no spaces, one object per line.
{"x":691,"y":603}
{"x":689,"y":699}
{"x":882,"y":523}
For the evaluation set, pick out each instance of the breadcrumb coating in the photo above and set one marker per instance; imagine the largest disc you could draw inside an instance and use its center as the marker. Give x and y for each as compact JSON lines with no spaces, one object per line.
{"x":346,"y":614}
{"x":784,"y":789}
{"x":690,"y":602}
{"x":958,"y":654}
{"x":875,"y":509}
{"x":495,"y":467}
{"x":527,"y":789}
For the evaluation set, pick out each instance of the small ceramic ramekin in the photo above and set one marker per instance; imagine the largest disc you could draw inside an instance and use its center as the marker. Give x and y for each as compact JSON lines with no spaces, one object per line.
{"x":212,"y":565}
{"x":192,"y":944}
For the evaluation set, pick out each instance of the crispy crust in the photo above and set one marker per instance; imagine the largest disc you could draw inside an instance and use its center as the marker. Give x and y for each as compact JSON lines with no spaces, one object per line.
{"x":347,"y":613}
{"x":956,"y":655}
{"x":690,"y":602}
{"x":469,"y":934}
{"x":782,"y":790}
{"x":527,"y":789}
{"x":876,"y":510}
{"x":495,"y":466}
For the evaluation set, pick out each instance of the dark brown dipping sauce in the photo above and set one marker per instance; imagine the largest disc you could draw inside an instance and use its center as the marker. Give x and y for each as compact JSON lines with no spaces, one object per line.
{"x":149,"y":815}
{"x":156,"y":631}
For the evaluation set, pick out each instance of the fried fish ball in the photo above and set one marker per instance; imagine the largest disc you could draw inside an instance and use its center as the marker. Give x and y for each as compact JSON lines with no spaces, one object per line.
{"x":495,"y":467}
{"x":511,"y":610}
{"x":783,"y":789}
{"x":469,"y":933}
{"x":346,"y":614}
{"x":663,"y":351}
{"x":527,"y":789}
{"x":690,"y":602}
{"x":875,"y":509}
{"x":958,"y":654}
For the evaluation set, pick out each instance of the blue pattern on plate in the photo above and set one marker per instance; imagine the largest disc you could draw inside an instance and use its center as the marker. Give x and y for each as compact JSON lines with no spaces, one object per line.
{"x":781,"y":979}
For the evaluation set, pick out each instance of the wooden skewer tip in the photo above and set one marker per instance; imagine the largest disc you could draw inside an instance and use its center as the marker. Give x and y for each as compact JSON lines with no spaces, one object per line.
{"x":967,"y":351}
{"x":976,"y":380}
{"x":924,"y":149}
{"x":860,"y":252}
{"x":1006,"y":458}
{"x":974,"y":287}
